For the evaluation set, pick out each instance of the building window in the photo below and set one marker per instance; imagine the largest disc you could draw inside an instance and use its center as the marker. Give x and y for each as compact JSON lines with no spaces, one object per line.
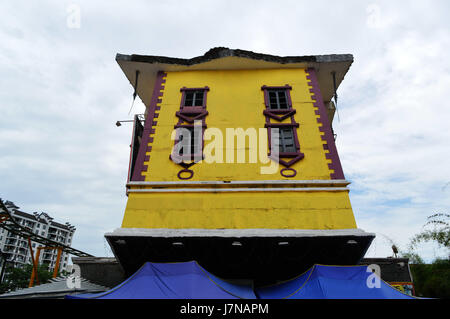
{"x":193,"y":97}
{"x":280,"y":119}
{"x":278,"y":99}
{"x":188,"y":147}
{"x":287,"y":142}
{"x":191,"y":141}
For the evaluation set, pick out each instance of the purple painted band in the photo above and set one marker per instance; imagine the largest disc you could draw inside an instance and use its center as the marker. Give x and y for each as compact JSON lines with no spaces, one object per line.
{"x":194,"y":89}
{"x":148,"y":129}
{"x":326,"y":127}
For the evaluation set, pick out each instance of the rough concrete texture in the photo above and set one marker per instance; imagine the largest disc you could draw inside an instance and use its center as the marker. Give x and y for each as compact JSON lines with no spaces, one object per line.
{"x":103,"y":271}
{"x":221,"y":52}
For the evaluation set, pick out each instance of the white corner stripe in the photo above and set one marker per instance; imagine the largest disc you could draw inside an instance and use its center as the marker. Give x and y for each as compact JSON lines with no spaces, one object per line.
{"x":263,"y":182}
{"x":221,"y":190}
{"x":250,"y":232}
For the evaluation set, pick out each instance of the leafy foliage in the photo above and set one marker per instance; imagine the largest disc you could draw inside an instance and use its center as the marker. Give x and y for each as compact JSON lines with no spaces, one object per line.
{"x":440,"y":234}
{"x":17,"y":278}
{"x":431,"y":280}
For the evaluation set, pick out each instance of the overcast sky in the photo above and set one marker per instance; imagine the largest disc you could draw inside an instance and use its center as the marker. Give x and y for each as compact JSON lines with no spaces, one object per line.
{"x":61,"y":93}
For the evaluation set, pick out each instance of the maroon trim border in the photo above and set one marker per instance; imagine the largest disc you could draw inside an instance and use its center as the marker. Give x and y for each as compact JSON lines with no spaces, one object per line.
{"x":274,"y":114}
{"x":286,"y":87}
{"x":149,"y":128}
{"x":194,"y":156}
{"x":280,"y":115}
{"x":288,"y":169}
{"x":186,"y":170}
{"x":184,"y":89}
{"x":326,"y":127}
{"x":190,"y":114}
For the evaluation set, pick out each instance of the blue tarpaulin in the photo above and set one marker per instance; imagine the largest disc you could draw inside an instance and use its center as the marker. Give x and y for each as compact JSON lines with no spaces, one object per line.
{"x":189,"y":280}
{"x":186,"y":280}
{"x":333,"y":282}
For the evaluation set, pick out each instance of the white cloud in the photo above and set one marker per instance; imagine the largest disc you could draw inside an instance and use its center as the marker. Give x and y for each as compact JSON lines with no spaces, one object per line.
{"x":392,"y":136}
{"x":62,"y":92}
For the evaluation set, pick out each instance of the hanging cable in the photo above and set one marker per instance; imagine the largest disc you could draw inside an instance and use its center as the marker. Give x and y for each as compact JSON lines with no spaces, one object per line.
{"x":333,"y":73}
{"x":135,"y":91}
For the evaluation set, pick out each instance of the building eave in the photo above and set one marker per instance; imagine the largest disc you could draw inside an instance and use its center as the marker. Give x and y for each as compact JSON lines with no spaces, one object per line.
{"x":275,"y":254}
{"x":232,"y":59}
{"x":234,"y":233}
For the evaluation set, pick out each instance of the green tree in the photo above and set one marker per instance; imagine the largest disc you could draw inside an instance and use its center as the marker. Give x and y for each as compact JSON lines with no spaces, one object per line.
{"x":17,"y":278}
{"x":440,"y":233}
{"x":431,"y":280}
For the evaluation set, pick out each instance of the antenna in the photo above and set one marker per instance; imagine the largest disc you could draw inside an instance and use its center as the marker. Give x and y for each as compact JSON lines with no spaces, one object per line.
{"x":135,"y":91}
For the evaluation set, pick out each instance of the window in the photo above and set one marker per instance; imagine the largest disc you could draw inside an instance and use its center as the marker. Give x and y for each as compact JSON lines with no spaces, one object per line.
{"x":278,"y":99}
{"x":280,"y":119}
{"x":287,"y":142}
{"x":188,"y":148}
{"x":190,"y":140}
{"x":193,"y":98}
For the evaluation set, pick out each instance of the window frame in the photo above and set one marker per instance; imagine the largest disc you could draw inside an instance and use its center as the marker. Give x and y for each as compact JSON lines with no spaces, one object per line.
{"x":287,"y":133}
{"x":191,"y":114}
{"x":194,"y":98}
{"x":286,"y":88}
{"x":185,"y":90}
{"x":196,"y":155}
{"x":278,"y":104}
{"x":279,"y":115}
{"x":293,"y":127}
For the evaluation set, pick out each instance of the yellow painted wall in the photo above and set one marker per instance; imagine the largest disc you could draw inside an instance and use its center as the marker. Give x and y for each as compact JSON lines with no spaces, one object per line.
{"x":235,"y":99}
{"x":277,"y":210}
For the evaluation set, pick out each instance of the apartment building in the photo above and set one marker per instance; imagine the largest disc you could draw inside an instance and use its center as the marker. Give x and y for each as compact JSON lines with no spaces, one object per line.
{"x":15,"y":248}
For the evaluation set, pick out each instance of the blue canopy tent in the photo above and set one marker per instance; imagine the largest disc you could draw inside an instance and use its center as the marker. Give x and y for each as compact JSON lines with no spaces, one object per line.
{"x":333,"y":282}
{"x":184,"y":280}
